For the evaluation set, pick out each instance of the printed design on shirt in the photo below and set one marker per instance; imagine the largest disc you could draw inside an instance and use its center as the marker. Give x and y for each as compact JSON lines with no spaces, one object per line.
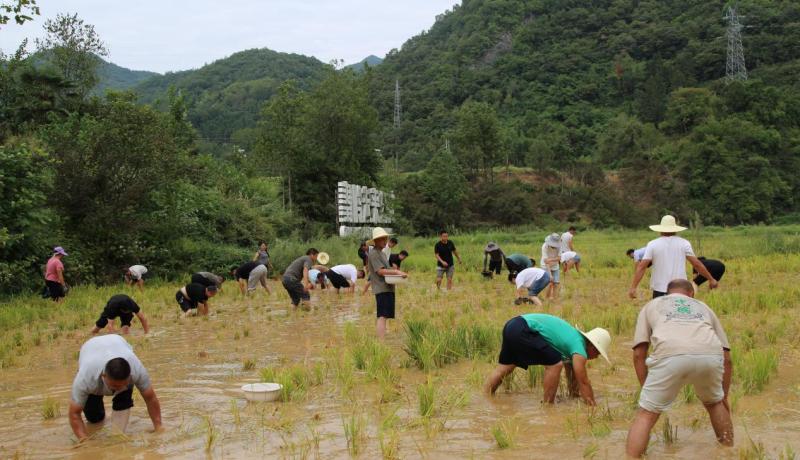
{"x":681,"y":310}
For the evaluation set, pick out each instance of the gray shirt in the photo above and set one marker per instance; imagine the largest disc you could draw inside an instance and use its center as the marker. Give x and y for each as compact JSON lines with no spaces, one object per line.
{"x":211,"y":277}
{"x":375,"y":261}
{"x":95,"y":353}
{"x":295,"y":269}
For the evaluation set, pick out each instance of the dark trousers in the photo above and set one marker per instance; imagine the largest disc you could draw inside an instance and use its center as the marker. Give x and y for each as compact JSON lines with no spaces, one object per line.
{"x":95,"y":411}
{"x":495,"y":266}
{"x":657,"y":294}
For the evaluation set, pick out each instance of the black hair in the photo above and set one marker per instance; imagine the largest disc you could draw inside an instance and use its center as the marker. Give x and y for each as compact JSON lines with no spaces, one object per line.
{"x":393,"y":240}
{"x":118,"y":369}
{"x":403,"y":253}
{"x":442,"y":231}
{"x":233,"y":270}
{"x":572,"y":229}
{"x":512,"y":276}
{"x":312,"y":252}
{"x":629,"y":252}
{"x":212,"y":288}
{"x":361,"y":274}
{"x":533,"y":261}
{"x":701,"y":258}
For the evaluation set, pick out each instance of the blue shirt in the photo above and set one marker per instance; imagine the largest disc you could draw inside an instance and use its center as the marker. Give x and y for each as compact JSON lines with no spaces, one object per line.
{"x":638,"y":254}
{"x":558,"y":333}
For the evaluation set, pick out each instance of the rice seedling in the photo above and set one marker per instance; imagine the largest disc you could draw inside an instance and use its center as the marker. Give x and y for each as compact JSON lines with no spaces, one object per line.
{"x":753,"y":451}
{"x":688,"y":394}
{"x":669,"y":432}
{"x":248,"y":364}
{"x":354,"y":433}
{"x":50,"y":409}
{"x":237,"y":420}
{"x":787,"y":453}
{"x":755,"y":369}
{"x":211,"y":433}
{"x":505,"y":433}
{"x":390,"y":445}
{"x":591,"y":450}
{"x":427,"y":398}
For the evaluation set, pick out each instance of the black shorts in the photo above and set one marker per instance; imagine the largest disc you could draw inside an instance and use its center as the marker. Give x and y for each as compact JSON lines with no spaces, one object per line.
{"x":657,"y":294}
{"x":184,"y":302}
{"x":124,"y":319}
{"x":95,"y":411}
{"x":715,"y":270}
{"x":385,"y":303}
{"x":337,"y":280}
{"x":55,"y":289}
{"x":495,"y":266}
{"x":295,"y":290}
{"x":524,"y":347}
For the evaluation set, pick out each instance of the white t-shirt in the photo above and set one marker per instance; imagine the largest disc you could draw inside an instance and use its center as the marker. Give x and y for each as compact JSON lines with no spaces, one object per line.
{"x":387,"y":251}
{"x":348,"y":271}
{"x":547,"y":253}
{"x":638,"y":254}
{"x":94,"y":356}
{"x":313,"y":274}
{"x":567,"y":256}
{"x":137,"y":271}
{"x":566,"y":239}
{"x":527,"y":277}
{"x":668,"y":254}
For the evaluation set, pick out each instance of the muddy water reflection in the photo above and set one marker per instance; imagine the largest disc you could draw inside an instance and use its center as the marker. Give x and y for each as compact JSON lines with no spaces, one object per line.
{"x":197,"y":368}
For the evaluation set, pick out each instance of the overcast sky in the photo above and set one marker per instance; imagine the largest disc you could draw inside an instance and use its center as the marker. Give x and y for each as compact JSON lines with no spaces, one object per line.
{"x":168,"y":35}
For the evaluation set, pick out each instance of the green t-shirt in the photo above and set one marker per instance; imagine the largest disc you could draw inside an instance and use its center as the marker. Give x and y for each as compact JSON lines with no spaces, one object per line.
{"x":521,"y":260}
{"x":558,"y":333}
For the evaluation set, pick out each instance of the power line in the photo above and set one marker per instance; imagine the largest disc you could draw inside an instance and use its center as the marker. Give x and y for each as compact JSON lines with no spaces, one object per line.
{"x":735,"y":68}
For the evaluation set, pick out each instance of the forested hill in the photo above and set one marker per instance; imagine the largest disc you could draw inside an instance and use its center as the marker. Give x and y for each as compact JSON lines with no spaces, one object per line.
{"x":558,"y":71}
{"x":112,"y":76}
{"x":227,"y":95}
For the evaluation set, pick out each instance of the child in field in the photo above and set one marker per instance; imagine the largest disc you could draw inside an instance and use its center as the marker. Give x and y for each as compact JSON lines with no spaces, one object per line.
{"x":123,"y":307}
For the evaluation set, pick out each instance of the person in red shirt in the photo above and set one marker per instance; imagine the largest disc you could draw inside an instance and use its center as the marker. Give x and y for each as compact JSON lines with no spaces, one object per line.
{"x":54,"y":275}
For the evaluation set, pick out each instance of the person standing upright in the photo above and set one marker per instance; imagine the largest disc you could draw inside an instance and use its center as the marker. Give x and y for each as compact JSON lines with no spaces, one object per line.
{"x":444,"y":251}
{"x":262,"y":256}
{"x":54,"y":275}
{"x":668,"y":254}
{"x":379,"y":268}
{"x":566,"y":239}
{"x":551,"y":261}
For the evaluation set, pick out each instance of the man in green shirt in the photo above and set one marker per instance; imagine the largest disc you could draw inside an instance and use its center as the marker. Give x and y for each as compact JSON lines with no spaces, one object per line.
{"x":518,"y":262}
{"x":541,"y":339}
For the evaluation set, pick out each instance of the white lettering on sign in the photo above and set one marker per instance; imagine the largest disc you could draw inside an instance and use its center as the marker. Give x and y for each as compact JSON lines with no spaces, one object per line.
{"x":358,"y":204}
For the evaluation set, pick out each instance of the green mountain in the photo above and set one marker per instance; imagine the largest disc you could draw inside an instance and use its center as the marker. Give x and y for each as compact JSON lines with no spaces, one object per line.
{"x":112,"y":76}
{"x":369,"y":61}
{"x":560,"y":70}
{"x":227,"y":95}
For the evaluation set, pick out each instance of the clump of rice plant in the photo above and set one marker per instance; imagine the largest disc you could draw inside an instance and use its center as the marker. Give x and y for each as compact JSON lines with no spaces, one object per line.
{"x":248,"y":364}
{"x":354,"y":433}
{"x":294,"y":381}
{"x":50,"y":409}
{"x":591,"y":450}
{"x":212,"y":434}
{"x":755,"y":369}
{"x":688,"y":394}
{"x":237,"y":419}
{"x":753,"y":451}
{"x":535,"y":376}
{"x":390,"y":445}
{"x":504,"y":433}
{"x":669,"y":432}
{"x":427,"y":398}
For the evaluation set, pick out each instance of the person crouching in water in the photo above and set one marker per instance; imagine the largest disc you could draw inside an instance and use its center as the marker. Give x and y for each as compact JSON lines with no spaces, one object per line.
{"x":193,"y":295}
{"x":123,"y":307}
{"x":547,"y":340}
{"x":530,"y":281}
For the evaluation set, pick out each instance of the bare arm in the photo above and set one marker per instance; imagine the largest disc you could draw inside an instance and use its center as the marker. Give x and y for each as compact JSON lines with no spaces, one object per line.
{"x":76,"y":422}
{"x":61,"y":276}
{"x":143,"y":319}
{"x":727,"y":373}
{"x":703,"y":271}
{"x":584,"y":386}
{"x":637,"y":277}
{"x":391,"y":271}
{"x":455,"y":251}
{"x":255,"y":257}
{"x":153,"y":407}
{"x":444,"y":264}
{"x":639,"y":357}
{"x":306,"y":282}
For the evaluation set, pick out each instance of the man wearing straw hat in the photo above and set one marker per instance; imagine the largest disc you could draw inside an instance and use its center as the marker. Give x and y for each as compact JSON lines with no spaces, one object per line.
{"x":668,"y":255}
{"x":379,"y":268}
{"x":689,"y":347}
{"x":494,"y":255}
{"x":541,"y":339}
{"x":550,"y":261}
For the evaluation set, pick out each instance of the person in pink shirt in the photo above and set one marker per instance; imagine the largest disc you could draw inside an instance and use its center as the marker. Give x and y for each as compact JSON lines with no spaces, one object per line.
{"x":54,"y":275}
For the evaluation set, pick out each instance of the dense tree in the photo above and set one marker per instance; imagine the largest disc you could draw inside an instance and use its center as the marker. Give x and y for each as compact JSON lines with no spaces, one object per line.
{"x":477,"y":142}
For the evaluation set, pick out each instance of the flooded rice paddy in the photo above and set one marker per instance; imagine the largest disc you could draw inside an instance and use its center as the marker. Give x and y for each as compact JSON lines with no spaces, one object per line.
{"x":351,"y":396}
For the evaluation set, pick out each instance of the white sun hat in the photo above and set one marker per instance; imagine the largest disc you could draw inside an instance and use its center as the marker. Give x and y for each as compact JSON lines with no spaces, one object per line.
{"x":668,"y":225}
{"x":377,"y":233}
{"x":323,"y":258}
{"x":601,"y":340}
{"x":553,"y":240}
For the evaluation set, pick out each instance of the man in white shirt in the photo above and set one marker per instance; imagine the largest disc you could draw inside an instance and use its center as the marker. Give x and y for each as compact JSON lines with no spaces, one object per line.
{"x":668,"y":255}
{"x":530,"y":282}
{"x":566,"y":240}
{"x":635,"y":254}
{"x":570,"y":259}
{"x":551,"y":262}
{"x":107,"y":366}
{"x":135,"y":275}
{"x":340,"y":276}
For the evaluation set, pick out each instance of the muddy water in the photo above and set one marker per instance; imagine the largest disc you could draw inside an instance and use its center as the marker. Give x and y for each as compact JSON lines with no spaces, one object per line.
{"x":196,"y":368}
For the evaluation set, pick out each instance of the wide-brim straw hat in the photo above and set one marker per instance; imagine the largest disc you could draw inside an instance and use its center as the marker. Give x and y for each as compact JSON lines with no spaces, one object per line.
{"x":668,"y":225}
{"x":553,"y":240}
{"x":492,"y":246}
{"x":377,"y":233}
{"x":323,"y":258}
{"x":601,"y":340}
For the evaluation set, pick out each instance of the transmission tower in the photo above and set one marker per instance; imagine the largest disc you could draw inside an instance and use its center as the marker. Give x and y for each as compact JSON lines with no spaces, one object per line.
{"x":735,"y":68}
{"x":397,"y":107}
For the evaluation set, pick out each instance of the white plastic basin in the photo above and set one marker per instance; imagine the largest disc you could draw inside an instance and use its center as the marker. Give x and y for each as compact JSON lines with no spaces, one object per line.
{"x":262,"y":391}
{"x":395,"y":279}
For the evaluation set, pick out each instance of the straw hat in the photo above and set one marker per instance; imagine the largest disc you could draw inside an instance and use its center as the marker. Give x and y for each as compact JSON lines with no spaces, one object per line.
{"x":601,"y":340}
{"x":553,"y":240}
{"x":492,"y":246}
{"x":377,"y":233}
{"x":668,"y":225}
{"x":323,"y":258}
